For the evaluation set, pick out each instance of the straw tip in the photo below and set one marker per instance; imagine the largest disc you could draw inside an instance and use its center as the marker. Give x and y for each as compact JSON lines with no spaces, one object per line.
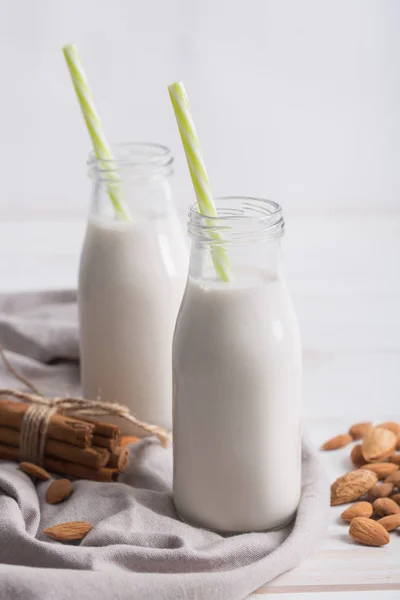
{"x":69,"y":48}
{"x":176,"y":85}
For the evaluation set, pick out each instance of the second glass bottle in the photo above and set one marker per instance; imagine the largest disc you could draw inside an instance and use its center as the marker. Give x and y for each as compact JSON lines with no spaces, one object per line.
{"x":131,"y":281}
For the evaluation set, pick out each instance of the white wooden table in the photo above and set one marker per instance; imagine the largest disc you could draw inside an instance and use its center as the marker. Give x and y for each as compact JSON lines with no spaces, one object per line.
{"x":344,"y":275}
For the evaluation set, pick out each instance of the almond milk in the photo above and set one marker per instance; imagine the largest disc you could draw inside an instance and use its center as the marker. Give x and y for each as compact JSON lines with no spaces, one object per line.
{"x":237,"y":366}
{"x":131,"y":282}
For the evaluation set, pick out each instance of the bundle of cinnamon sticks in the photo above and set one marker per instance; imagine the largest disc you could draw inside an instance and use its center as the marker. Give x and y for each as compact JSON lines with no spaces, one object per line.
{"x":75,"y":447}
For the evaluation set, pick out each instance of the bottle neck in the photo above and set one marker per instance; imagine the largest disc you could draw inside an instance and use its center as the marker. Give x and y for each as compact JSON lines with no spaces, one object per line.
{"x":248,"y":230}
{"x":138,"y":175}
{"x":145,"y":200}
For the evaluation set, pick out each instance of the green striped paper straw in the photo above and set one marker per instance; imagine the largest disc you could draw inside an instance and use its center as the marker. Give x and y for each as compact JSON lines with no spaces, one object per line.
{"x":93,"y":124}
{"x":198,"y":173}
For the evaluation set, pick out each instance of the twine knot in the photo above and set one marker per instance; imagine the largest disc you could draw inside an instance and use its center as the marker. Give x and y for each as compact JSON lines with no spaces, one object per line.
{"x":36,"y":419}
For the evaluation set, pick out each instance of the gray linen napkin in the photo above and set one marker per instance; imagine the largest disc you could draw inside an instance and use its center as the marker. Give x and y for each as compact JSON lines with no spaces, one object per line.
{"x":138,"y":547}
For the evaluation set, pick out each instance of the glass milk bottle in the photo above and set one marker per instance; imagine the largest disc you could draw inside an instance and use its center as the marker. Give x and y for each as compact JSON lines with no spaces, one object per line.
{"x":237,"y":369}
{"x":131,"y":281}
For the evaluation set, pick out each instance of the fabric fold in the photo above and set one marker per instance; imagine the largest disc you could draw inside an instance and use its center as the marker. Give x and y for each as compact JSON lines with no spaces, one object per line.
{"x":138,"y":547}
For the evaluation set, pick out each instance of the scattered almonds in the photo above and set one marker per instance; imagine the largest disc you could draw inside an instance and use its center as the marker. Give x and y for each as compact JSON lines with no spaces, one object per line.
{"x":369,"y":532}
{"x":360,"y":430}
{"x":337,"y":442}
{"x":375,"y":460}
{"x":378,"y":445}
{"x":386,"y":506}
{"x":58,"y":490}
{"x":381,"y":469}
{"x":382,"y":490}
{"x":34,"y":471}
{"x":356,"y":456}
{"x":390,"y":522}
{"x":360,"y":509}
{"x":352,"y":486}
{"x":69,"y":531}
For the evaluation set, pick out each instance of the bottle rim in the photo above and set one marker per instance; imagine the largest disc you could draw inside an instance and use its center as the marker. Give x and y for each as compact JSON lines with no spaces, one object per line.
{"x":132,"y":159}
{"x":239,"y":219}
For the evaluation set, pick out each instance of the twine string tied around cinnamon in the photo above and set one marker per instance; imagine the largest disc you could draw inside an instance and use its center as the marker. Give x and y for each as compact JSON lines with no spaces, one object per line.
{"x":37,"y":417}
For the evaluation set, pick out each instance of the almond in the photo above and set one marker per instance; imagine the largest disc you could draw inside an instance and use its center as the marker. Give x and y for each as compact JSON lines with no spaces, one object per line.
{"x":390,"y":522}
{"x":360,"y":509}
{"x":386,"y":506}
{"x":380,"y":491}
{"x":69,"y":531}
{"x":393,"y":478}
{"x":34,"y":471}
{"x":378,"y":444}
{"x":337,"y":442}
{"x":381,"y":469}
{"x":396,"y":498}
{"x":391,"y":425}
{"x":395,"y":459}
{"x":58,"y":490}
{"x":360,"y":430}
{"x":352,"y":486}
{"x":369,"y":532}
{"x":398,"y":442}
{"x":356,"y":456}
{"x":126,"y":440}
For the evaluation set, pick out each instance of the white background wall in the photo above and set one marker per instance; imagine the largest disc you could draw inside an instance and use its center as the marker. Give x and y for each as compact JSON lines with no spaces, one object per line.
{"x":295,"y":100}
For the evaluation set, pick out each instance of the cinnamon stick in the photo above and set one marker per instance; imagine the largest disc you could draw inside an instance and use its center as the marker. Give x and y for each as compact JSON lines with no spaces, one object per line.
{"x":105,"y":429}
{"x":61,"y":428}
{"x":64,"y":467}
{"x":95,"y":458}
{"x":119,"y":458}
{"x":88,"y":457}
{"x":9,"y":453}
{"x":74,"y":470}
{"x":106,"y":442}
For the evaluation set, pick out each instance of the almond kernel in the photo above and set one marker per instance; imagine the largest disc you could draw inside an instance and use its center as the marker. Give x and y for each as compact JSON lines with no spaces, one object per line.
{"x":386,"y":506}
{"x":339,"y":441}
{"x":352,"y":486}
{"x":360,"y":430}
{"x":382,"y":490}
{"x":378,"y":445}
{"x":381,"y":469}
{"x":360,"y":509}
{"x":58,"y":490}
{"x":34,"y":471}
{"x":69,"y":531}
{"x":356,"y":456}
{"x":390,"y":522}
{"x":368,"y":532}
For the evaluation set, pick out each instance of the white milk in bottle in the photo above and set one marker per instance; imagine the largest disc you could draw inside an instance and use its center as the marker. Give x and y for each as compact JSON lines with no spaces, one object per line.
{"x":131,"y":281}
{"x":237,"y":377}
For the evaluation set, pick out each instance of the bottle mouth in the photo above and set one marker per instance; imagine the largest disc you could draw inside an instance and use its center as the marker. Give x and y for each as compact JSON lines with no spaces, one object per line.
{"x":240,"y":219}
{"x":137,"y":160}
